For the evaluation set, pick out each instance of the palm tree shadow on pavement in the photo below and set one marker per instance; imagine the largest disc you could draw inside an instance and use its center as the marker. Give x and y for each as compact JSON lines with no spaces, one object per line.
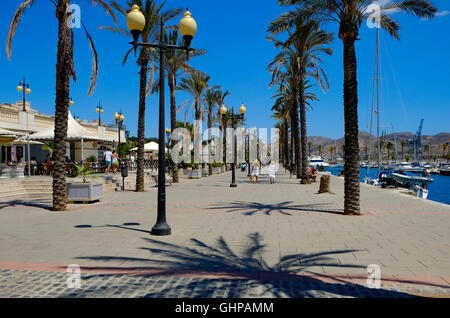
{"x":34,"y":203}
{"x":250,"y":208}
{"x":217,"y":271}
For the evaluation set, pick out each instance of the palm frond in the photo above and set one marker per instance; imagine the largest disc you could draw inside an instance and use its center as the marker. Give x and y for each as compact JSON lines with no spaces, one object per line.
{"x":15,"y":21}
{"x":106,"y":8}
{"x":94,"y":70}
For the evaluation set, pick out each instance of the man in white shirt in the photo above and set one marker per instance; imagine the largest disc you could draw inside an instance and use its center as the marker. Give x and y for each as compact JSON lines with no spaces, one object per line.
{"x":132,"y":159}
{"x":108,"y":158}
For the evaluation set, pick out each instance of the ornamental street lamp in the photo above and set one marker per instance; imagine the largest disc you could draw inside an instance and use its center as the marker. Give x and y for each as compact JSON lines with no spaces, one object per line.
{"x":223,"y":111}
{"x":119,"y":117}
{"x":24,"y":88}
{"x":71,"y":102}
{"x":99,"y":110}
{"x":188,"y":27}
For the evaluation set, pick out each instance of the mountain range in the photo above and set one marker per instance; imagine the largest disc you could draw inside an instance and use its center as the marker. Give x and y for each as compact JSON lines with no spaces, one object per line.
{"x":435,"y":142}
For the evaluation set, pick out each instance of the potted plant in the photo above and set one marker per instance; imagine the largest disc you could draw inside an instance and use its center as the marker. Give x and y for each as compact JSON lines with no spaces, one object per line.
{"x":187,"y":168}
{"x":84,"y":191}
{"x":216,"y":168}
{"x":196,"y":172}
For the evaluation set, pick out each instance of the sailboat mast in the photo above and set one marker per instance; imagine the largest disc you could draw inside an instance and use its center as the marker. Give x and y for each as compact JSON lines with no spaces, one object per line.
{"x":378,"y":99}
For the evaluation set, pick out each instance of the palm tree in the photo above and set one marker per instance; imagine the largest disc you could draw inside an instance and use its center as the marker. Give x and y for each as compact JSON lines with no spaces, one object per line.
{"x":308,"y":42}
{"x":195,"y":85}
{"x":350,"y":14}
{"x":221,"y":101}
{"x":403,"y":144}
{"x":152,"y":13}
{"x":211,"y":98}
{"x":319,"y":149}
{"x":444,"y":148}
{"x":426,"y":148}
{"x":282,"y":112}
{"x":285,"y":73}
{"x":176,"y":65}
{"x":65,"y":70}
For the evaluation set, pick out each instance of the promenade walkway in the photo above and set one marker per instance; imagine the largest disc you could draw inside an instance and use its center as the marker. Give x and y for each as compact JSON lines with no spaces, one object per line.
{"x":257,"y":240}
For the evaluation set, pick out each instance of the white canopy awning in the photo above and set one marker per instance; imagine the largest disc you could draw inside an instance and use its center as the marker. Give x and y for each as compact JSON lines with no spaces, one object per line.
{"x":74,"y":132}
{"x":4,"y":132}
{"x":150,"y":147}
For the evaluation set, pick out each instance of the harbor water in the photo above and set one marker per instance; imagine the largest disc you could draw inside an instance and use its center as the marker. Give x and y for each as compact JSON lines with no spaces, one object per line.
{"x":439,"y":190}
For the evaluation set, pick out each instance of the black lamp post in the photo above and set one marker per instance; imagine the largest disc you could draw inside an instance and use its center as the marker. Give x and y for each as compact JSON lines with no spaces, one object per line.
{"x":25,"y":88}
{"x":99,"y":110}
{"x":224,"y":112}
{"x":119,"y":117}
{"x":188,"y":27}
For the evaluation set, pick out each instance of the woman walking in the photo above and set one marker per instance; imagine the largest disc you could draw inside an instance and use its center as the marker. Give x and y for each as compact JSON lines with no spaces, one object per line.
{"x":255,"y":170}
{"x":272,"y":172}
{"x":115,"y":162}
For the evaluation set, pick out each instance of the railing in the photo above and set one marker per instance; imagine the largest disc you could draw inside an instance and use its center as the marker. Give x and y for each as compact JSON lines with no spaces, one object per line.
{"x":9,"y":115}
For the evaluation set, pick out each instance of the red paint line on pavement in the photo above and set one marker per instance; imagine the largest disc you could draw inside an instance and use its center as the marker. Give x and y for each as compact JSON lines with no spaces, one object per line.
{"x":275,"y":276}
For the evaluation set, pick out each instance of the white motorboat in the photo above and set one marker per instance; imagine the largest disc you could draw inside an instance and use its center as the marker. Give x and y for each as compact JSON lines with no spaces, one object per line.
{"x":417,"y":184}
{"x":404,"y":165}
{"x":417,"y":180}
{"x":316,"y":161}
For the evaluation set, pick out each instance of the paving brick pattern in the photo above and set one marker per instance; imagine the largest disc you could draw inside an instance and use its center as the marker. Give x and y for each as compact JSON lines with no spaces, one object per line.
{"x":256,"y":228}
{"x":18,"y":284}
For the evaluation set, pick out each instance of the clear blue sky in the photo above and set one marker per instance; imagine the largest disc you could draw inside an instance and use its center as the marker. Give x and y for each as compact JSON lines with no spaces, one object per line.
{"x":234,"y":34}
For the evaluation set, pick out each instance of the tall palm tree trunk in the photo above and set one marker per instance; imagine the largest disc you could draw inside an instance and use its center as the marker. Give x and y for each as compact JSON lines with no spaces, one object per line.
{"x":296,"y":137}
{"x":351,"y":150}
{"x":63,"y":73}
{"x":285,"y":143}
{"x":173,"y":121}
{"x":210,"y":167}
{"x":304,"y":138}
{"x":143,"y":61}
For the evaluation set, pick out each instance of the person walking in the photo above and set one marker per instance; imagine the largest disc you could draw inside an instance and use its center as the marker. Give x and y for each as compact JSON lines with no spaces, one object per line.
{"x":132,"y":159}
{"x":272,"y":172}
{"x":108,"y":157}
{"x":255,"y":170}
{"x":115,"y":162}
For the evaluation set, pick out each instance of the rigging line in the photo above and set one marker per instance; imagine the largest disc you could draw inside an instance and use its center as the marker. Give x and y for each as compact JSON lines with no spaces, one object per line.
{"x":405,"y":114}
{"x":371,"y":118}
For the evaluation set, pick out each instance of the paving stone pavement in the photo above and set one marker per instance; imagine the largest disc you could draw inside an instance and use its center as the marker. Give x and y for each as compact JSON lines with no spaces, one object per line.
{"x":228,"y":242}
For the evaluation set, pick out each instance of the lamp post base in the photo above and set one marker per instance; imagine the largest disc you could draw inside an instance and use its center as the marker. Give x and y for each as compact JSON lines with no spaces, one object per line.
{"x":233,"y":185}
{"x":162,"y":229}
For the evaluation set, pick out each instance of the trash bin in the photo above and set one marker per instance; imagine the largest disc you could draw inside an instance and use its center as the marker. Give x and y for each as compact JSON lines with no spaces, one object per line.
{"x":124,"y":169}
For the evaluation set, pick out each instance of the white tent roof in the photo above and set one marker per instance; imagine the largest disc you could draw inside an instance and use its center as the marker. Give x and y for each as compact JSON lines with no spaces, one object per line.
{"x":150,"y":147}
{"x":74,"y":132}
{"x":4,"y":132}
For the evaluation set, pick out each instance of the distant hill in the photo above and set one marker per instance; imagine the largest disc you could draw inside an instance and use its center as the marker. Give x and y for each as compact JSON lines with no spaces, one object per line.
{"x":435,"y":141}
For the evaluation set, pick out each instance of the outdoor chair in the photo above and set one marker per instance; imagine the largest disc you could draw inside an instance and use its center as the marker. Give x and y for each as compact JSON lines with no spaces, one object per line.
{"x":46,"y":169}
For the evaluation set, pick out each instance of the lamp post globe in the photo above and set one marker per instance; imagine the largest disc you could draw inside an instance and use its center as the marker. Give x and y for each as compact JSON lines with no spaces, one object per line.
{"x":242,"y":110}
{"x":188,"y":28}
{"x":122,"y":117}
{"x":116,"y":116}
{"x":19,"y":89}
{"x":28,"y":91}
{"x":223,"y":110}
{"x":135,"y":22}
